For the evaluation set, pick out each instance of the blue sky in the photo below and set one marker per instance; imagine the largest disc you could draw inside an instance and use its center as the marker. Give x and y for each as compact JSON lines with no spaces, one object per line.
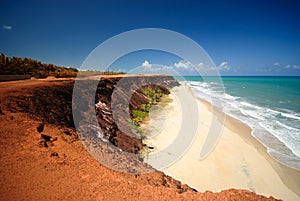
{"x":244,"y":37}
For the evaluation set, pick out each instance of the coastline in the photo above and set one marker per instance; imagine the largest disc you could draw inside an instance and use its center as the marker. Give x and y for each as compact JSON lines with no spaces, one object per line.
{"x":288,"y":174}
{"x":64,"y":170}
{"x":238,"y":161}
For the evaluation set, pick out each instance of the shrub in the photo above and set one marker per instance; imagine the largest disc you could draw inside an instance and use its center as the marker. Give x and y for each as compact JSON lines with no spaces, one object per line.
{"x":139,"y":116}
{"x":154,"y":94}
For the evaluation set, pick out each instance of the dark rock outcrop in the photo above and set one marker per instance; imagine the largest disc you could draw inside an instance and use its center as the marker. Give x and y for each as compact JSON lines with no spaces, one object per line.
{"x":40,"y":128}
{"x":52,"y":105}
{"x":47,"y":138}
{"x":1,"y":112}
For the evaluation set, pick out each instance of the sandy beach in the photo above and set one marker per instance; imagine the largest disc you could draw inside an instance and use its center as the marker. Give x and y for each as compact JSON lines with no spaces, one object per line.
{"x":238,"y":160}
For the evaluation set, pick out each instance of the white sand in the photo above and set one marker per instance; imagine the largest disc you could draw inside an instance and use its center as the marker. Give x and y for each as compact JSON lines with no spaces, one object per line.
{"x":237,"y":161}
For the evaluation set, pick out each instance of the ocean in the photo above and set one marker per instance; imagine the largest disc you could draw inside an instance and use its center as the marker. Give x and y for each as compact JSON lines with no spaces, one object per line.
{"x":269,"y":105}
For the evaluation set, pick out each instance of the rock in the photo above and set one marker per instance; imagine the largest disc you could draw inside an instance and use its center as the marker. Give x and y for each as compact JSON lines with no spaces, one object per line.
{"x":50,"y":144}
{"x":43,"y":143}
{"x":126,"y":92}
{"x":47,"y":138}
{"x":40,"y":128}
{"x":1,"y":112}
{"x":54,"y":154}
{"x":67,"y":133}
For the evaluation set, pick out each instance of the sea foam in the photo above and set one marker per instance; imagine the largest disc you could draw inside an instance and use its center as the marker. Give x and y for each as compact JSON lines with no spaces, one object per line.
{"x":271,"y":126}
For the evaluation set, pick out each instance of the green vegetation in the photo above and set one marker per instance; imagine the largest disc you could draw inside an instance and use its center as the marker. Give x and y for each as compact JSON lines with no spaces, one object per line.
{"x":34,"y":68}
{"x":145,"y":107}
{"x":63,"y":72}
{"x":138,"y":129}
{"x":139,"y":116}
{"x":94,"y":72}
{"x":28,"y":66}
{"x":154,"y":95}
{"x":111,"y":73}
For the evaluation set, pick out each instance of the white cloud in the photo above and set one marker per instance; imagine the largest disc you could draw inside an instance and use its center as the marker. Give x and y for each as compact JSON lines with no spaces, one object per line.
{"x":147,"y":67}
{"x":182,"y":67}
{"x":224,"y":66}
{"x":292,"y":67}
{"x":7,"y":27}
{"x":296,"y":67}
{"x":146,"y":64}
{"x":276,"y":64}
{"x":187,"y":65}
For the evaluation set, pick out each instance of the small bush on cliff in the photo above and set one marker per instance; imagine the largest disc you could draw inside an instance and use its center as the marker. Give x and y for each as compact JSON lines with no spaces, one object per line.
{"x":154,"y":94}
{"x":139,"y":116}
{"x":145,"y":107}
{"x":138,"y":130}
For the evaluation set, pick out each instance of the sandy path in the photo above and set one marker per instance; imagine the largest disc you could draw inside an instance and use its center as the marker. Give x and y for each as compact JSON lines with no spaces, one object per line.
{"x":238,"y":160}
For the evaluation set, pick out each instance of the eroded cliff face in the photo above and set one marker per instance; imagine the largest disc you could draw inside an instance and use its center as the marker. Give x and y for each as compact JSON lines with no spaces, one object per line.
{"x":116,"y":98}
{"x":52,"y":105}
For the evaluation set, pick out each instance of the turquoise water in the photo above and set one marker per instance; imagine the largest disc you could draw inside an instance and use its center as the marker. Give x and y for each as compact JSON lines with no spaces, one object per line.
{"x":269,"y":105}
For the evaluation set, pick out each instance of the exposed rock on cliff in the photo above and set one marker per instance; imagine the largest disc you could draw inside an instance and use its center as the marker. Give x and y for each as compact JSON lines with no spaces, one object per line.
{"x":117,"y":98}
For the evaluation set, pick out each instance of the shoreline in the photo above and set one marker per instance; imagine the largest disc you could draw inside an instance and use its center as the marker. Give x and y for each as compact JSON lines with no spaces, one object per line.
{"x":260,"y":169}
{"x":236,"y":125}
